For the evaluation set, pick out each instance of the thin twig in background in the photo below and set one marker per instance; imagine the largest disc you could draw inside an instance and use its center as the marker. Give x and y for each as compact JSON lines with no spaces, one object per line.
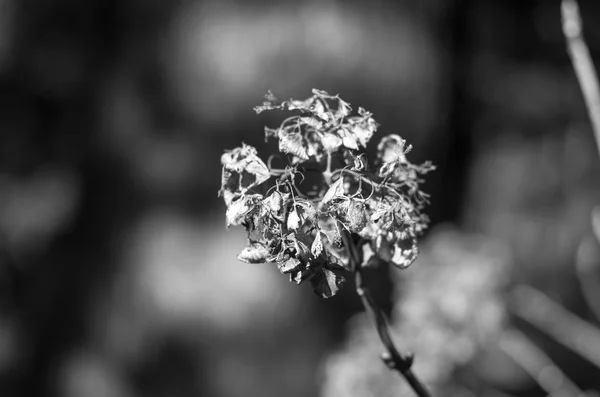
{"x":587,"y":270}
{"x":396,"y":361}
{"x":582,"y":63}
{"x":587,"y":265}
{"x":537,"y":364}
{"x":565,"y":327}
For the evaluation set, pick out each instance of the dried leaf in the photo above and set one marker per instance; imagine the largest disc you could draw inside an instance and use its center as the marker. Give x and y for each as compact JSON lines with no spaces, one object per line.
{"x":331,"y":142}
{"x":293,"y":221}
{"x":258,"y":169}
{"x":266,"y":106}
{"x":318,"y":109}
{"x":384,"y":249}
{"x":239,"y":209}
{"x":322,"y":93}
{"x":300,"y":105}
{"x":326,"y":283}
{"x":292,"y":143}
{"x":311,"y":122}
{"x":301,"y":275}
{"x":289,"y":265}
{"x":274,"y":202}
{"x":335,"y":264}
{"x":382,"y":210}
{"x":359,"y":164}
{"x":347,"y":139}
{"x":369,"y":258}
{"x":333,"y":236}
{"x":336,"y":190}
{"x":403,"y":258}
{"x":271,"y":133}
{"x":317,"y":246}
{"x":244,"y":159}
{"x":357,"y":216}
{"x":230,"y":183}
{"x":343,"y":110}
{"x":363,"y":132}
{"x":270,"y":97}
{"x":363,"y":112}
{"x":254,"y":253}
{"x":392,"y":148}
{"x":306,"y":211}
{"x":301,"y":241}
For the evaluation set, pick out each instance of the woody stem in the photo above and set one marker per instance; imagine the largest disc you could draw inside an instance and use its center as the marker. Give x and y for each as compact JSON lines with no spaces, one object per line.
{"x":395,"y":361}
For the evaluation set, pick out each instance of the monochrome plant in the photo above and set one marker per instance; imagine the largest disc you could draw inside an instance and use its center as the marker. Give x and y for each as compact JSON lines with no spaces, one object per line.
{"x":300,"y":229}
{"x":326,"y":210}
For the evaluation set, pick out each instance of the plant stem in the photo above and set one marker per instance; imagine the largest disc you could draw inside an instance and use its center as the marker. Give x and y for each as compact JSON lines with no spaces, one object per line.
{"x":582,"y":62}
{"x":396,"y":361}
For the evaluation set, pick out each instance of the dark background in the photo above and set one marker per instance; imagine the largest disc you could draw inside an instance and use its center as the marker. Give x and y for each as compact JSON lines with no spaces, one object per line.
{"x":117,"y":275}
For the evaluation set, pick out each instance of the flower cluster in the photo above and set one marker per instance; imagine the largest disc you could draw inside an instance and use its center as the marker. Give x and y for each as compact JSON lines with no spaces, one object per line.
{"x":299,"y":223}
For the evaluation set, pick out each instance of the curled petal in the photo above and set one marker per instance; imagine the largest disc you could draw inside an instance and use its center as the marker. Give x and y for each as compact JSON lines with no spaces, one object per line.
{"x":254,"y":253}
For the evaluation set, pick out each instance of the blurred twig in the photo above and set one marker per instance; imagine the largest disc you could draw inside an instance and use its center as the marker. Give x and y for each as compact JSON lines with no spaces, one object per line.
{"x":582,"y":63}
{"x":588,"y":273}
{"x":587,"y":265}
{"x":565,"y":327}
{"x":396,"y":361}
{"x":588,"y":81}
{"x":537,"y":364}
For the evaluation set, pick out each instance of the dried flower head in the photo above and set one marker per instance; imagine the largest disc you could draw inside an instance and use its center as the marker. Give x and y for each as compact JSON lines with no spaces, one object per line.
{"x":300,"y":227}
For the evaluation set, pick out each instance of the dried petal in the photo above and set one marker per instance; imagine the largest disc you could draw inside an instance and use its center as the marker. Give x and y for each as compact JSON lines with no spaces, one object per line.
{"x":254,"y":253}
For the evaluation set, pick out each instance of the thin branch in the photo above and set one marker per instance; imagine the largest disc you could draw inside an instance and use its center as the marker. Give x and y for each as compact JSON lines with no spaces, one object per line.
{"x":565,"y":327}
{"x":587,"y":270}
{"x":537,"y":364}
{"x":582,"y":63}
{"x":396,"y":361}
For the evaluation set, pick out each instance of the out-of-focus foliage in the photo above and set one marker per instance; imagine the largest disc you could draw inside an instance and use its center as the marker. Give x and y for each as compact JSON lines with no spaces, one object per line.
{"x":33,"y":210}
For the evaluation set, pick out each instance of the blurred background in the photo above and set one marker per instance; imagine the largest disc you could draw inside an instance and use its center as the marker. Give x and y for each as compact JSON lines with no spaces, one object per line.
{"x":119,"y":279}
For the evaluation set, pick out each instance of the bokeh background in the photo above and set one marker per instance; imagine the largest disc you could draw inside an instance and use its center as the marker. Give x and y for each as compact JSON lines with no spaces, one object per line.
{"x":119,"y":279}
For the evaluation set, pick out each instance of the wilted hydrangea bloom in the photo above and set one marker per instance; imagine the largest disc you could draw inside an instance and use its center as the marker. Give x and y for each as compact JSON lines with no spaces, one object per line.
{"x":299,"y":227}
{"x":445,"y":311}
